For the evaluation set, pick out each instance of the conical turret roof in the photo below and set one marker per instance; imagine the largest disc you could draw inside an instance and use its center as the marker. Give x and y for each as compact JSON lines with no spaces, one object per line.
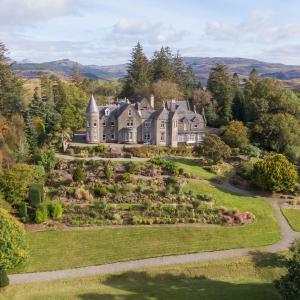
{"x":92,"y":106}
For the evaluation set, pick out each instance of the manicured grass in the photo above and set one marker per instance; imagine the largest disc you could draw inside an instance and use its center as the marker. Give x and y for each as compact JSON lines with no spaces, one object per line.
{"x":192,"y":166}
{"x":54,"y":250}
{"x":293,"y":217}
{"x":244,"y":278}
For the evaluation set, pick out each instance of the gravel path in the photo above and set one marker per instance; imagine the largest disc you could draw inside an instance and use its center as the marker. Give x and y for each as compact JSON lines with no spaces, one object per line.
{"x":288,"y":236}
{"x":70,"y":157}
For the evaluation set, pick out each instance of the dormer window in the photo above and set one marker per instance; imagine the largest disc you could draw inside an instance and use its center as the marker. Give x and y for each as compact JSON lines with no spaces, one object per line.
{"x":107,"y":112}
{"x":147,"y":124}
{"x":112,"y":123}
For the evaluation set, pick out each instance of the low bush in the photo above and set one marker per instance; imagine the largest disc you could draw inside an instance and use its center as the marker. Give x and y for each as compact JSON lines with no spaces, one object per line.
{"x":41,"y":214}
{"x":127,"y":177}
{"x":100,"y":190}
{"x":23,"y":211}
{"x":56,"y":210}
{"x":251,"y":151}
{"x":4,"y":280}
{"x":79,"y":174}
{"x":82,"y":194}
{"x":36,"y":194}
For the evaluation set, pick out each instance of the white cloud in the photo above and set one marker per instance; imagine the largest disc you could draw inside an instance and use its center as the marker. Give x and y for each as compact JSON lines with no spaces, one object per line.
{"x":14,"y":13}
{"x":258,"y":28}
{"x":128,"y":32}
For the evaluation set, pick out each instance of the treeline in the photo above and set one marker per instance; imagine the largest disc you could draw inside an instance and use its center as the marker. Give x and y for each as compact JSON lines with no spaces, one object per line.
{"x":30,"y":132}
{"x":270,"y":111}
{"x":164,"y":75}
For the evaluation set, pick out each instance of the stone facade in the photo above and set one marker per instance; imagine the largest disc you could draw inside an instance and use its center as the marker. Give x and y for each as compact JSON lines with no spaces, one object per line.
{"x":137,"y":122}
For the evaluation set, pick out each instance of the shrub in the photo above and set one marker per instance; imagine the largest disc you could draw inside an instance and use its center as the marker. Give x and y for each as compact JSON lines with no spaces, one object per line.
{"x":100,"y":190}
{"x":4,"y":281}
{"x":213,"y":148}
{"x":23,"y":211}
{"x":83,"y":194}
{"x":236,"y":135}
{"x":41,"y":214}
{"x":56,"y":210}
{"x":251,"y":151}
{"x":79,"y":174}
{"x":107,"y":171}
{"x":14,"y":182}
{"x":36,"y":194}
{"x":127,"y":177}
{"x":132,"y":167}
{"x":275,"y":173}
{"x":245,"y":169}
{"x":13,"y":246}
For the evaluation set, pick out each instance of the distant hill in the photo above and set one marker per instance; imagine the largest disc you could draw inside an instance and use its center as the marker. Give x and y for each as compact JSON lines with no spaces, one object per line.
{"x":200,"y":65}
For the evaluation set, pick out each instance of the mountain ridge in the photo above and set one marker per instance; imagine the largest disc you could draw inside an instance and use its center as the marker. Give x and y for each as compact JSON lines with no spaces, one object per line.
{"x":200,"y":65}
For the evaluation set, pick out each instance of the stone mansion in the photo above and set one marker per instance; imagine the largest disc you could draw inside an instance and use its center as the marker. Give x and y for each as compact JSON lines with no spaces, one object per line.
{"x":137,"y":122}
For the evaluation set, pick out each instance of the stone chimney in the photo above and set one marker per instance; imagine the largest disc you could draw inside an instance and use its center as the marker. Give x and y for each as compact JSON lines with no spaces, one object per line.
{"x":152,"y":100}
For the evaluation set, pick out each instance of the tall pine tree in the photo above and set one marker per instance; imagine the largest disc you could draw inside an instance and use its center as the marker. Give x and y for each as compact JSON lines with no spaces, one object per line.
{"x":220,"y":85}
{"x":138,"y":72}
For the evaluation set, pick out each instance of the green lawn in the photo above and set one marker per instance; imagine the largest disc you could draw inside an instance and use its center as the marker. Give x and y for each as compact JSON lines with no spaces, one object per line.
{"x":244,"y":278}
{"x":192,"y":166}
{"x":293,"y":217}
{"x":54,"y":250}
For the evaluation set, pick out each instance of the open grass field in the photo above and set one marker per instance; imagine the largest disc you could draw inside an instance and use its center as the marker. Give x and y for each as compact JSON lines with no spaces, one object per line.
{"x":293,"y":217}
{"x":192,"y":166}
{"x":53,"y":250}
{"x":244,"y":278}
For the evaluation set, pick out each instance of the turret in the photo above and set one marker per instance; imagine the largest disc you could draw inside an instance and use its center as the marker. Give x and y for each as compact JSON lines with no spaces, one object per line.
{"x":92,"y":122}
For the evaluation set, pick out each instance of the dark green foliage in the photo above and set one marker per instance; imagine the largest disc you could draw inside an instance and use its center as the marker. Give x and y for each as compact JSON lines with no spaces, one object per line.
{"x":23,"y":211}
{"x":167,"y":165}
{"x":138,"y":71}
{"x":56,"y":210}
{"x":100,"y":190}
{"x":277,"y":131}
{"x":41,"y":214}
{"x":275,"y":173}
{"x":213,"y":148}
{"x":4,"y":280}
{"x":11,"y":88}
{"x":245,"y":169}
{"x":289,"y":285}
{"x":36,"y":194}
{"x":107,"y":171}
{"x":220,"y":85}
{"x":13,"y":246}
{"x":251,"y":150}
{"x":236,"y":135}
{"x":79,"y":174}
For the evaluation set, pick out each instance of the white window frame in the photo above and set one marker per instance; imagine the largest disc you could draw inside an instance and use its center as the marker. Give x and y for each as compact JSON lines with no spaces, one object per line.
{"x":162,"y":124}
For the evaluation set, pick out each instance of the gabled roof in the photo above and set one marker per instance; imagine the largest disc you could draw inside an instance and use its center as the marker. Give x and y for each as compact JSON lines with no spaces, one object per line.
{"x":92,"y":106}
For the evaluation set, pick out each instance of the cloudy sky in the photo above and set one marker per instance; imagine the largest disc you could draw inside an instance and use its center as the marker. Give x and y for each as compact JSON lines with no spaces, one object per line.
{"x":103,"y":31}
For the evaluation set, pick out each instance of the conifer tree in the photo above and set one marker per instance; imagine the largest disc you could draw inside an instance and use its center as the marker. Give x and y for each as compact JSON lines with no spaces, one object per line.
{"x":162,"y":65}
{"x":220,"y":85}
{"x":238,"y":105}
{"x":138,"y":71}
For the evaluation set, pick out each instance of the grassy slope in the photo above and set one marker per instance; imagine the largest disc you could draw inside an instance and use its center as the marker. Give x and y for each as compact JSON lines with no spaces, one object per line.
{"x":69,"y":249}
{"x":239,"y":278}
{"x":192,"y":166}
{"x":293,"y":217}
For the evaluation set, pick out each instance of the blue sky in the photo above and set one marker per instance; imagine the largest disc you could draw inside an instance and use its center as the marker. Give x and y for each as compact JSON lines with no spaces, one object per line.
{"x":103,"y":32}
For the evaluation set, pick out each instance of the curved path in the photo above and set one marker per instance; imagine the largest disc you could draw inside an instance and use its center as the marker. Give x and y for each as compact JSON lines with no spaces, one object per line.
{"x":287,"y":237}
